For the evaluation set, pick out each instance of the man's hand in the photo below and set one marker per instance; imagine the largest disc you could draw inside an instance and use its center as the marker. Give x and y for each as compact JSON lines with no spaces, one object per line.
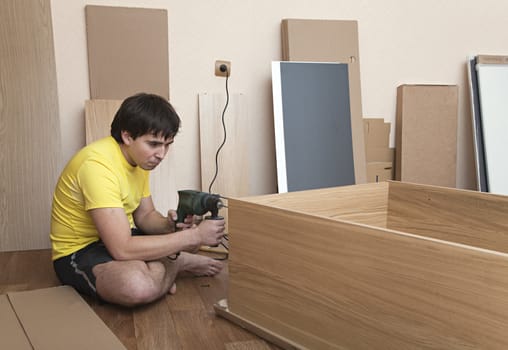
{"x":210,"y":232}
{"x":187,"y":223}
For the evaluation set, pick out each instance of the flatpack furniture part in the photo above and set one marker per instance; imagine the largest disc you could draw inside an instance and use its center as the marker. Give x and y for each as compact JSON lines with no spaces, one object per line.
{"x":52,"y":319}
{"x":312,"y":121}
{"x":492,"y":79}
{"x":387,"y":265}
{"x":127,"y":51}
{"x":312,"y":40}
{"x":426,"y":134}
{"x":29,"y":124}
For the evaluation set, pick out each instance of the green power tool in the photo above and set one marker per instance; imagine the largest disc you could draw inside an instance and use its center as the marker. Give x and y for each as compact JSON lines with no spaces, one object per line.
{"x":192,"y":202}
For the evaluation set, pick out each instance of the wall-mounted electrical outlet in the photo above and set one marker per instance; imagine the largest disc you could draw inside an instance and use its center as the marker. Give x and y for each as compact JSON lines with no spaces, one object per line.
{"x":222,"y":68}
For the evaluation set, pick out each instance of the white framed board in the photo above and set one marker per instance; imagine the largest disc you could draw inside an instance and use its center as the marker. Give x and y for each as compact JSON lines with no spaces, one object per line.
{"x":312,"y":120}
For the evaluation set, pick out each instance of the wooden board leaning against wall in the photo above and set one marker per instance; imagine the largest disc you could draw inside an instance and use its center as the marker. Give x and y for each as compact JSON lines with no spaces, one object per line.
{"x":29,"y":124}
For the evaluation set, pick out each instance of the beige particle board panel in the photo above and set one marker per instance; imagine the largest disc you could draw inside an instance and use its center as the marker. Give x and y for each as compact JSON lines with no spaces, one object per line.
{"x":312,"y":40}
{"x":426,"y":134}
{"x":316,"y":276}
{"x":127,"y":51}
{"x":29,"y":124}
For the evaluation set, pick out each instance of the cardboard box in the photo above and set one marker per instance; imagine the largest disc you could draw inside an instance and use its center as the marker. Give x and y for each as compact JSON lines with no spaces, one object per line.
{"x":375,"y":266}
{"x":52,"y":319}
{"x":426,"y":134}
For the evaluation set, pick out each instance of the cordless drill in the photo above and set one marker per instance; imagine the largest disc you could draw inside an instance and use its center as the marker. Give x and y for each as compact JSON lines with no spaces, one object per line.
{"x":192,"y":202}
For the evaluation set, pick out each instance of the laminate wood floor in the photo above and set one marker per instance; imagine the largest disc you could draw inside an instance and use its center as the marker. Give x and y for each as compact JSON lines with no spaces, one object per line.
{"x":185,"y":320}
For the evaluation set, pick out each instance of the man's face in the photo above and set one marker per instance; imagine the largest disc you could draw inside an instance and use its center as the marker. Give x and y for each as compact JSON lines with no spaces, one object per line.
{"x":146,"y":151}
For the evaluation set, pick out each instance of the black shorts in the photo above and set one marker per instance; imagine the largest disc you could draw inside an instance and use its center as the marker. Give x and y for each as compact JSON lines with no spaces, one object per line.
{"x":76,"y":269}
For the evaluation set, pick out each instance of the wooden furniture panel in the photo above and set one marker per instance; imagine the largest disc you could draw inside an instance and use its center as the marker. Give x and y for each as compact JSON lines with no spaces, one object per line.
{"x":367,"y":204}
{"x":322,"y":282}
{"x":29,"y":124}
{"x":98,"y":117}
{"x":468,"y":217}
{"x":234,"y":158}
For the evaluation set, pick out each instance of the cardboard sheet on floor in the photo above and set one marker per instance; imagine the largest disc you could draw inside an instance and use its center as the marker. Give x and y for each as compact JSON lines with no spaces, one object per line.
{"x":312,"y":40}
{"x":127,"y":51}
{"x":52,"y":319}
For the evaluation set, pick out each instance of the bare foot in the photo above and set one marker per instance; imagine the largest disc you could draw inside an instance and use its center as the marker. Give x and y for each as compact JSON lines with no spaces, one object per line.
{"x":200,"y":265}
{"x":172,"y":290}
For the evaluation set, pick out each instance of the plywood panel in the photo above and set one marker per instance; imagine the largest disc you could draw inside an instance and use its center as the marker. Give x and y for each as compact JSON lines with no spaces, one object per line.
{"x":325,"y":283}
{"x":127,"y":51}
{"x":234,"y":158}
{"x":366,"y":204}
{"x":98,"y":117}
{"x":29,"y":124}
{"x":468,"y":217}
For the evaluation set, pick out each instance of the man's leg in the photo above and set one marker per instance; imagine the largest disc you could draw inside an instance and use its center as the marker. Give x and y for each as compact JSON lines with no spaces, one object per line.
{"x":135,"y":282}
{"x":132,"y":283}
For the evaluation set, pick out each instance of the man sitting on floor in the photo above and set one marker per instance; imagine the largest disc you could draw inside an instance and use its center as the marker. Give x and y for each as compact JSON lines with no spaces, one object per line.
{"x":108,"y":240}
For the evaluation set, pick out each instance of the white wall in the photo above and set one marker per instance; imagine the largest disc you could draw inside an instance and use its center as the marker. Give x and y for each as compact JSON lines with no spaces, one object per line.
{"x":400,"y":42}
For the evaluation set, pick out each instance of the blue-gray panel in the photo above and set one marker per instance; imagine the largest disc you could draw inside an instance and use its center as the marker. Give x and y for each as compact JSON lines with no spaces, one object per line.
{"x":317,"y":125}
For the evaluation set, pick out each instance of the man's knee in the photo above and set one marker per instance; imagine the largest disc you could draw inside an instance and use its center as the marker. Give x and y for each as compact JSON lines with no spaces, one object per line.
{"x":127,"y":283}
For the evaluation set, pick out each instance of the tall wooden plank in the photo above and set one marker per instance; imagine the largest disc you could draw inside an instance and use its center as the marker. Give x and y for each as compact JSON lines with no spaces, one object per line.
{"x":29,"y":124}
{"x":231,"y":167}
{"x":98,"y":117}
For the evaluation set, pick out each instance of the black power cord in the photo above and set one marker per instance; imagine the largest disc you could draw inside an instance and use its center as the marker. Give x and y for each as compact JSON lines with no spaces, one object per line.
{"x":223,"y":68}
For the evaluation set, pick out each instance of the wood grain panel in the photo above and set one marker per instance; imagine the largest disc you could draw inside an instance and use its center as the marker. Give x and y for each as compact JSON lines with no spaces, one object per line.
{"x":234,"y":159}
{"x":468,"y":217}
{"x":325,"y":283}
{"x":366,"y":204}
{"x":98,"y":117}
{"x":29,"y":124}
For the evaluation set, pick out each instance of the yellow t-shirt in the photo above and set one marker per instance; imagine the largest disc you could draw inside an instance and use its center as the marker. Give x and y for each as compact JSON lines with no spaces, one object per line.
{"x":98,"y":176}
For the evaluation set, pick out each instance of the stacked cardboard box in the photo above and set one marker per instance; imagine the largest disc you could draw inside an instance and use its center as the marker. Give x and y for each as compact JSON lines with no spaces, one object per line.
{"x":378,"y":155}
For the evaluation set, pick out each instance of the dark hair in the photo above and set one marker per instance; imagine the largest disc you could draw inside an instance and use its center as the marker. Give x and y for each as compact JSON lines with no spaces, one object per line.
{"x":143,"y":114}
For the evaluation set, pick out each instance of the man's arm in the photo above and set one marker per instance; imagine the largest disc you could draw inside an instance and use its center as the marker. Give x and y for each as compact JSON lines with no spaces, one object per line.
{"x":149,"y":220}
{"x":114,"y":230}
